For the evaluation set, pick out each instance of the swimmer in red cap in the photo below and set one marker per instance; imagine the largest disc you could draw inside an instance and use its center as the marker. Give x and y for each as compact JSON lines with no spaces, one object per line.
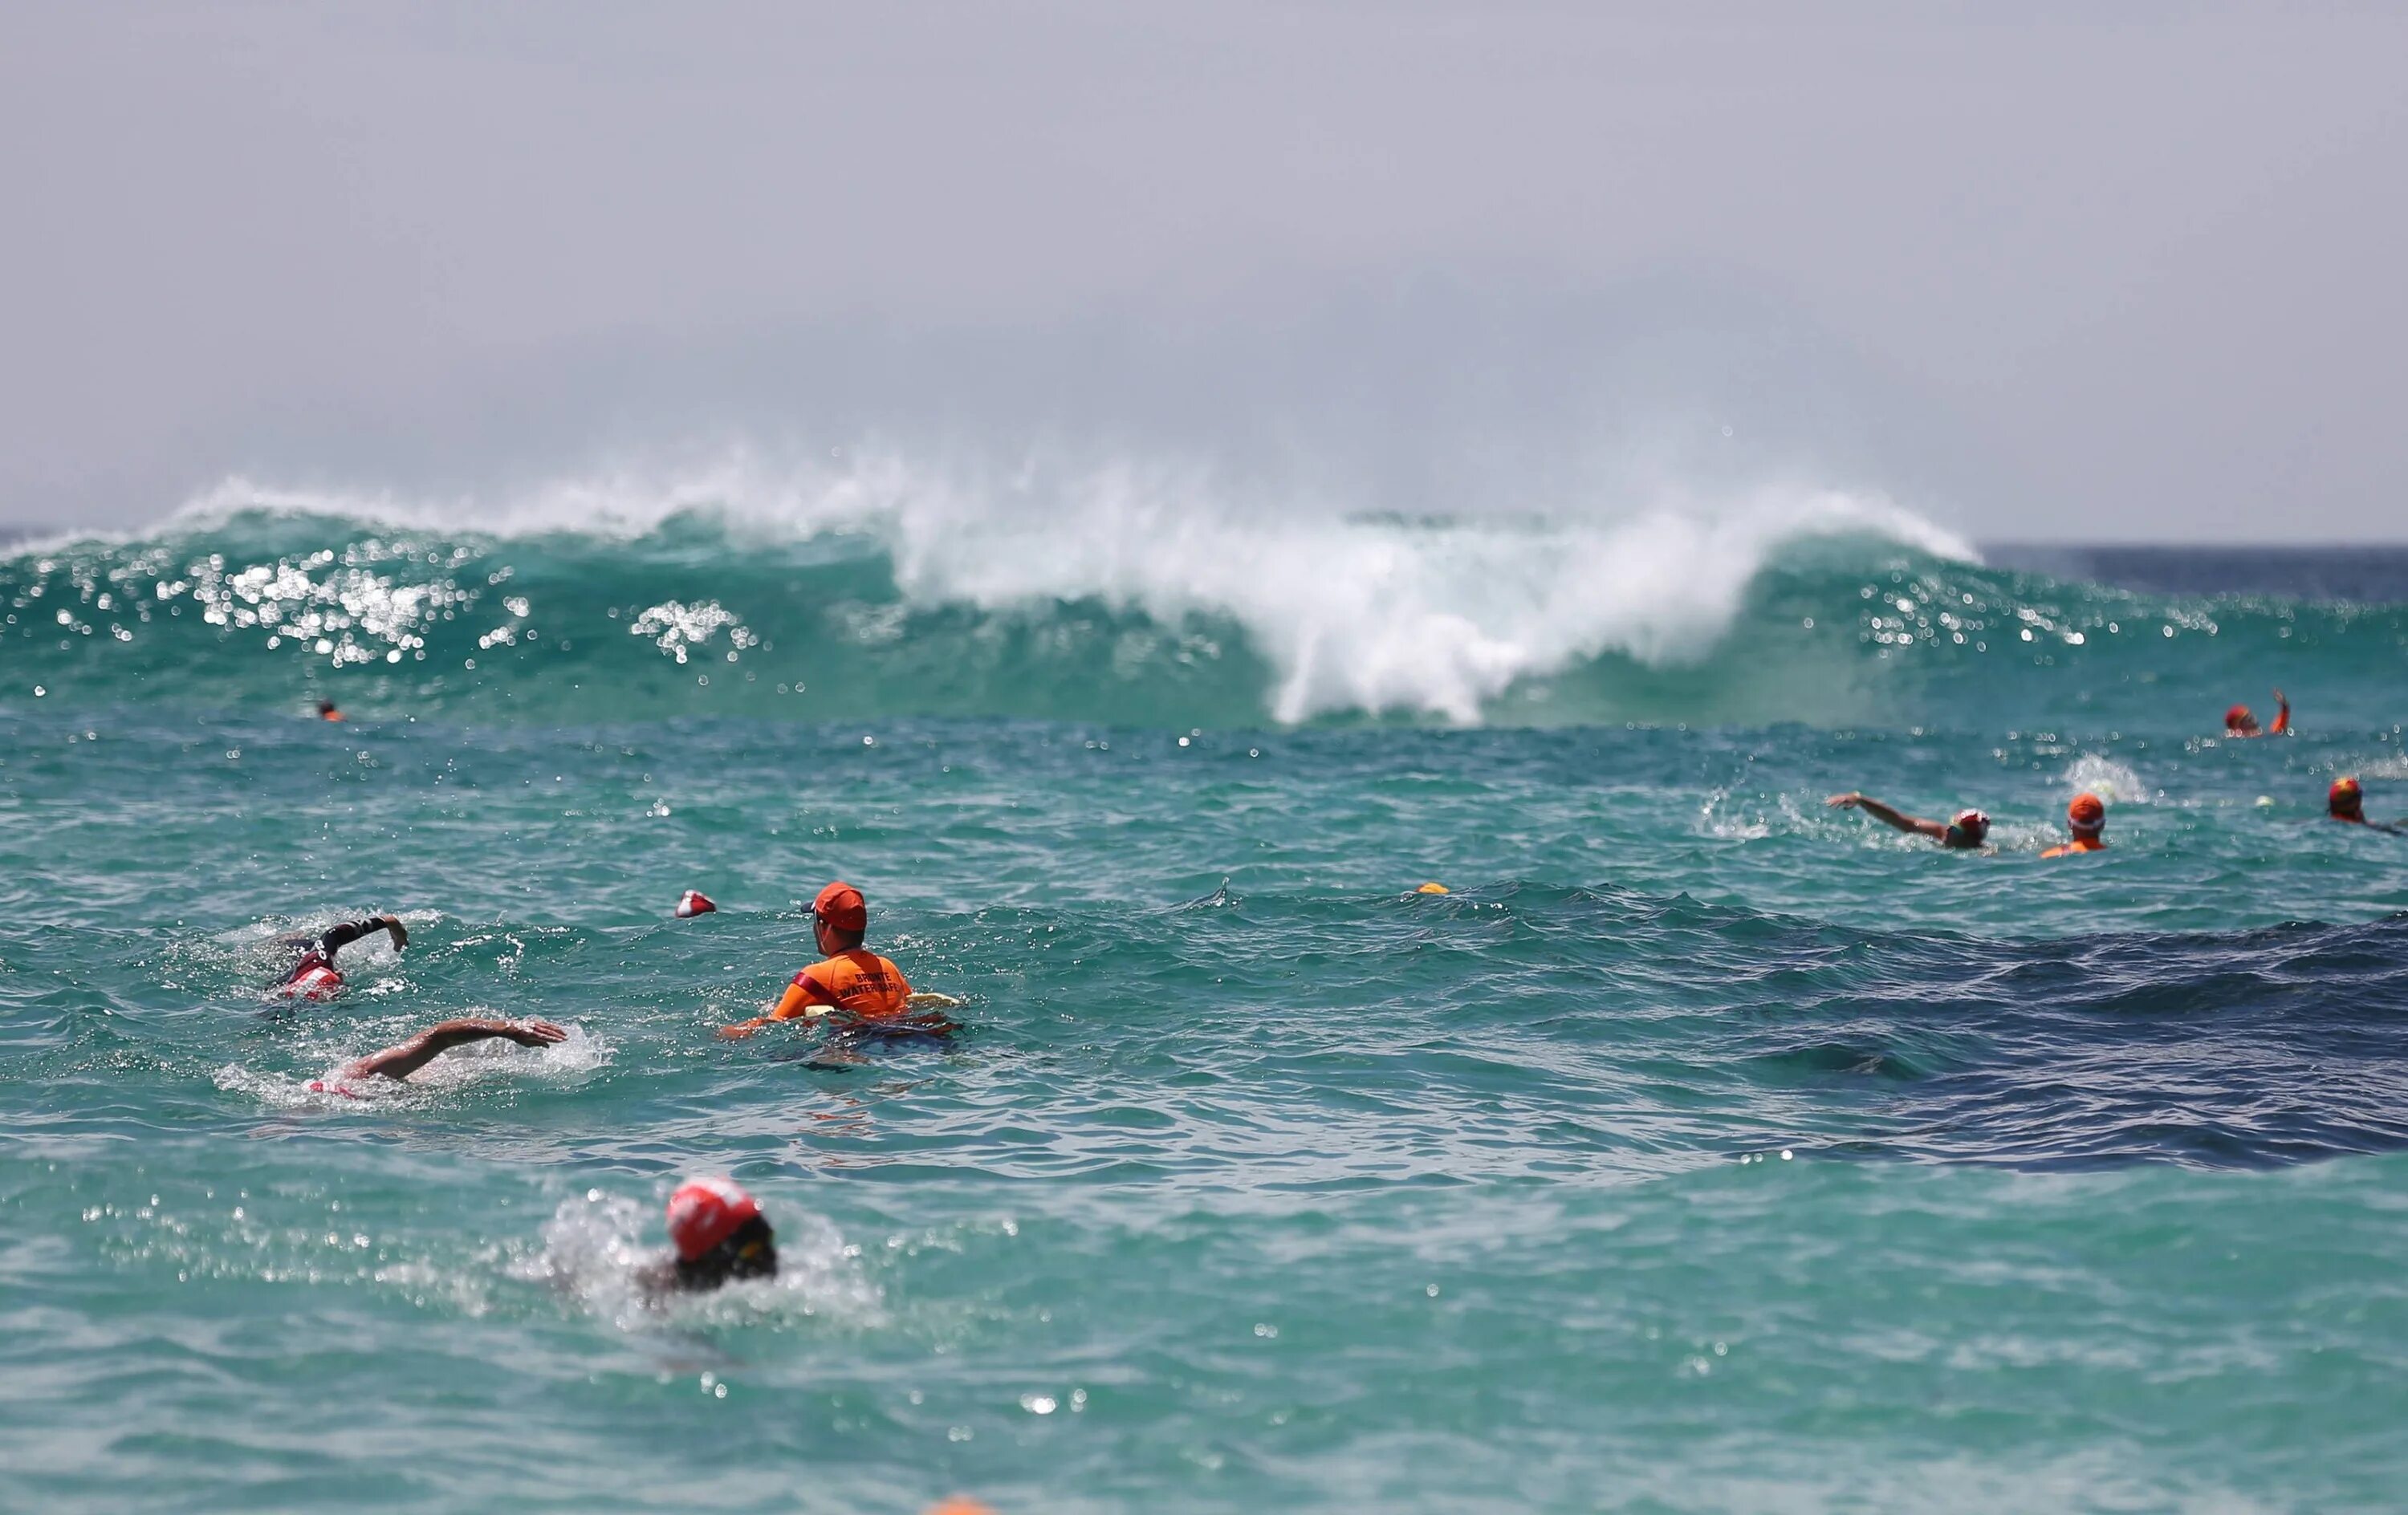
{"x":2087,"y":816}
{"x":720,"y":1235}
{"x":2345,"y":801}
{"x":1966,"y":829}
{"x":2239,"y":722}
{"x":853,"y":981}
{"x":315,"y":976}
{"x":400,"y":1061}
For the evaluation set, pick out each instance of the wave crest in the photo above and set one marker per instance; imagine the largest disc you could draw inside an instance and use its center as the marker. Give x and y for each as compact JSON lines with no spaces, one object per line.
{"x":1350,"y":612}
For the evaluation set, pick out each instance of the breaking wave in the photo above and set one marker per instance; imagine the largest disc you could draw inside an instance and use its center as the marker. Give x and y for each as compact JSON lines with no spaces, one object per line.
{"x":1125,"y":594}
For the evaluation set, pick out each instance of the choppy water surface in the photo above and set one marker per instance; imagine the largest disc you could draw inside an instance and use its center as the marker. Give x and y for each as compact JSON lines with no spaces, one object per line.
{"x":1704,"y":1149}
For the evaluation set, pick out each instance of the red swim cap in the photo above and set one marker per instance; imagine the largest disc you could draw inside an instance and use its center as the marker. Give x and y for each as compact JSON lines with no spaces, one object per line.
{"x":705,"y":1212}
{"x":2087,"y":812}
{"x":693,"y":901}
{"x":1973,"y":824}
{"x":2344,"y":794}
{"x":842,"y":905}
{"x":315,"y":982}
{"x":2238,"y":716}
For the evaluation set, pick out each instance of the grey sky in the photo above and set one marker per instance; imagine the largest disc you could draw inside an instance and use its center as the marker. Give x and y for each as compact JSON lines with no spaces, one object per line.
{"x":2036,"y":273}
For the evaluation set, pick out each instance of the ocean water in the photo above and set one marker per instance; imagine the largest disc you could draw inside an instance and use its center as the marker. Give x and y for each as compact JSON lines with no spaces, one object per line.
{"x":1705,"y":1149}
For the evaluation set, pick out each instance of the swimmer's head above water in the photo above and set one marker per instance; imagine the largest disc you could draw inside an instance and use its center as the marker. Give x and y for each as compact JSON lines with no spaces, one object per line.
{"x":2347,"y":801}
{"x":840,"y":918}
{"x":2241,"y":721}
{"x":1967,"y":828}
{"x":2088,"y":815}
{"x":720,"y":1234}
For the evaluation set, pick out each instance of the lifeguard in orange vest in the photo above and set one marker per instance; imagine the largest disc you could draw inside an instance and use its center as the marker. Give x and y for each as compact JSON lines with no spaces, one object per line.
{"x":2087,"y":816}
{"x":852,"y":980}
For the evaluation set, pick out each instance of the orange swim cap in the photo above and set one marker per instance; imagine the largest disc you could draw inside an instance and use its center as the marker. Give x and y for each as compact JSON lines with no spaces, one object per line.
{"x":2087,"y":812}
{"x":2238,"y":716}
{"x":2344,"y":794}
{"x":842,"y":905}
{"x":705,"y":1212}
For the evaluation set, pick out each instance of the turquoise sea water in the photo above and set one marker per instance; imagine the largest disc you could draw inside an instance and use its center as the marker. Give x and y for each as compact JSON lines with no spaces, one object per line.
{"x":1705,"y":1149}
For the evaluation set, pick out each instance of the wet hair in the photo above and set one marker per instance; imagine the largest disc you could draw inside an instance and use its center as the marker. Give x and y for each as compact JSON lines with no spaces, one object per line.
{"x":326,"y":706}
{"x":751,"y":1251}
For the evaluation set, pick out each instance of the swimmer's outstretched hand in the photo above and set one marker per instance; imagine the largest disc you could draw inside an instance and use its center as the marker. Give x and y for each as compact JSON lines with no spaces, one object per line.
{"x":742,"y":1028}
{"x":394,"y":928}
{"x":1848,"y":801}
{"x":534,"y":1033}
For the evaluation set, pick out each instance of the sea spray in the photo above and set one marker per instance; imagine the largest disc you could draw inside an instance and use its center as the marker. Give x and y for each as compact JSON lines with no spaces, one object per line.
{"x":1126,"y":596}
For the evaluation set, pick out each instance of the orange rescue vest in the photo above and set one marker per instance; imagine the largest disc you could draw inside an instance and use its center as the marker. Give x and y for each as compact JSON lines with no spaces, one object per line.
{"x":859,"y":981}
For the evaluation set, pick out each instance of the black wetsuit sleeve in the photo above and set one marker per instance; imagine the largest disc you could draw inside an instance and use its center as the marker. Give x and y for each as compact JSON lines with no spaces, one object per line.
{"x":337,"y":938}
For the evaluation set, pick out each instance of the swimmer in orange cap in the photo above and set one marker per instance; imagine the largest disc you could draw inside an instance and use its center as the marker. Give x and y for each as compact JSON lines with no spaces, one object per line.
{"x":1966,"y":829}
{"x":2239,"y":722}
{"x":851,"y":981}
{"x":400,"y":1061}
{"x":2345,"y":801}
{"x":2087,"y":816}
{"x":326,"y":711}
{"x":720,"y":1235}
{"x":315,"y":976}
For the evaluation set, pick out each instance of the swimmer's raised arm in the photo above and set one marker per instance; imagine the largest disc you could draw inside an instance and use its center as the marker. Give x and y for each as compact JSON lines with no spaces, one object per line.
{"x":337,"y":938}
{"x":2281,"y":716}
{"x":400,"y":1062}
{"x":1887,"y":815}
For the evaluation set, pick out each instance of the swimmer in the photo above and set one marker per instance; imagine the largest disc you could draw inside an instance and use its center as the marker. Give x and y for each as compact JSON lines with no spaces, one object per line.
{"x":1966,"y":829}
{"x":315,"y":976}
{"x":326,"y":711}
{"x":399,"y":1062}
{"x":2345,"y":801}
{"x":2087,"y":816}
{"x":867,"y":991}
{"x":2239,"y":722}
{"x":720,"y":1235}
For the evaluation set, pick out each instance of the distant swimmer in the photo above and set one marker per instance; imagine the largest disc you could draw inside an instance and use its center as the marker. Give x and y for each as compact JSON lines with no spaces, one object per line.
{"x":326,"y":711}
{"x":2345,"y":801}
{"x":851,"y":981}
{"x":2087,"y":816}
{"x":400,"y":1061}
{"x":1966,"y":829}
{"x":314,"y":976}
{"x":720,"y":1235}
{"x":2240,"y":721}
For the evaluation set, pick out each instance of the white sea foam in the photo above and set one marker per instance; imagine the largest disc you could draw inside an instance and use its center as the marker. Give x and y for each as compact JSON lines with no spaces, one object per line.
{"x":1353,"y":611}
{"x":2109,"y":780}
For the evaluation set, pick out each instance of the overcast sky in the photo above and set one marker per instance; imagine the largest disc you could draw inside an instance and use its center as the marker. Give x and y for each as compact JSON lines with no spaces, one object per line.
{"x":2037,"y":273}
